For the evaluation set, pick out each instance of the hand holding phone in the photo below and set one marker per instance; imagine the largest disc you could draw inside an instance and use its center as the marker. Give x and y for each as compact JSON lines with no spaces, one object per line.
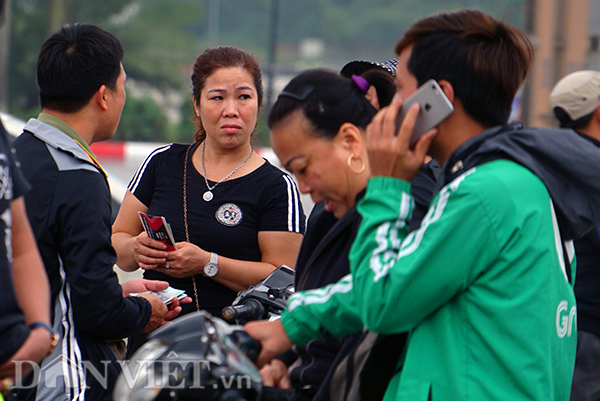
{"x":435,"y":107}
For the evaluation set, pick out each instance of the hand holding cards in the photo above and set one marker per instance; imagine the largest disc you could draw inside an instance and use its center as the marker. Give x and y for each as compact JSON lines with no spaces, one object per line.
{"x":166,"y":296}
{"x":158,"y":229}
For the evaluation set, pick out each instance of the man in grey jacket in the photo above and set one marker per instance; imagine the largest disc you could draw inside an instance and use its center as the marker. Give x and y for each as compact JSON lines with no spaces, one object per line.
{"x":82,"y":92}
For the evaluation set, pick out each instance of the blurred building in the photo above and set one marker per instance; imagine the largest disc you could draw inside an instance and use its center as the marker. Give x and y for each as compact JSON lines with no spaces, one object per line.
{"x":566,"y":38}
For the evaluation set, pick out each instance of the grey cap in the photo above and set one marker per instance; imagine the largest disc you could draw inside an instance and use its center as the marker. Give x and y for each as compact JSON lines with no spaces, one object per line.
{"x":578,"y":93}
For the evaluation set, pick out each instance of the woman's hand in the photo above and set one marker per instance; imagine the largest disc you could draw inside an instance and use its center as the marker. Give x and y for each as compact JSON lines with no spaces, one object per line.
{"x":272,"y":337}
{"x":389,"y":152}
{"x":148,"y":253}
{"x":275,"y":374}
{"x":186,"y":261}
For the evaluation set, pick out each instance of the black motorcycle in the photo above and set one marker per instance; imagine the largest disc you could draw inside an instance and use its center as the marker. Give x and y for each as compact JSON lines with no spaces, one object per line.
{"x":201,"y":357}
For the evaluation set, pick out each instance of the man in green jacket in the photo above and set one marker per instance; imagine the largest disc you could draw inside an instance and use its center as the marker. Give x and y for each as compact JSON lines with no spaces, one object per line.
{"x":484,"y":286}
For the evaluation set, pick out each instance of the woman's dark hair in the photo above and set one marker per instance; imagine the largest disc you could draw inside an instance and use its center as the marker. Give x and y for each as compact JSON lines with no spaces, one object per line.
{"x":74,"y":63}
{"x":327,"y":100}
{"x":484,"y":59}
{"x":216,"y":58}
{"x":384,"y":84}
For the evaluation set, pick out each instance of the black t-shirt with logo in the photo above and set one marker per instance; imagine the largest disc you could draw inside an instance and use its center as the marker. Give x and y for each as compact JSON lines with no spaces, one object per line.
{"x":266,"y":199}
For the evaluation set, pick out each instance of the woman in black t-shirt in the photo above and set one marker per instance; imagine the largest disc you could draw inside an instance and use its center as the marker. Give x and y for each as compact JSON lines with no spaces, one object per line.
{"x":234,"y":216}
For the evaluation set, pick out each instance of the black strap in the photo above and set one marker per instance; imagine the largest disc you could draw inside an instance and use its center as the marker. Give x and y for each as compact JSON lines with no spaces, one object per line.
{"x":381,"y":365}
{"x":567,"y":262}
{"x":365,"y":373}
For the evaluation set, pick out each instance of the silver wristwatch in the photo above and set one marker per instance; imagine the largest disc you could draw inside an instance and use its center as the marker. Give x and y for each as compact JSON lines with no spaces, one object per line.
{"x":212,"y":267}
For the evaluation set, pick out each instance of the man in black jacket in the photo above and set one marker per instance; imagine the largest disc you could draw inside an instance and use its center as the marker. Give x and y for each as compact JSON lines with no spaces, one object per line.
{"x":576,"y":104}
{"x":82,"y":93}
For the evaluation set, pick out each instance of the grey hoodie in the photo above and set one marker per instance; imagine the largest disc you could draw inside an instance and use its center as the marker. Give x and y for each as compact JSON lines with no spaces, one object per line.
{"x":566,"y":163}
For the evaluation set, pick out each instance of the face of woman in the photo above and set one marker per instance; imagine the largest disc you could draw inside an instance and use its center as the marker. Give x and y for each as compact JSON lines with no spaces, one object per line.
{"x":319,"y":164}
{"x":228,"y":106}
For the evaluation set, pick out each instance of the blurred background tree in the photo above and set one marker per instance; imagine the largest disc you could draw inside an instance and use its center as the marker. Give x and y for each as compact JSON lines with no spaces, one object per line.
{"x":145,"y":109}
{"x":162,"y":37}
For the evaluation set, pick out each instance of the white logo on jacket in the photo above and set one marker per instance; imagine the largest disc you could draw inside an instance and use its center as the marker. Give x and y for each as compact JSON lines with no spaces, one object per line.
{"x":565,"y":319}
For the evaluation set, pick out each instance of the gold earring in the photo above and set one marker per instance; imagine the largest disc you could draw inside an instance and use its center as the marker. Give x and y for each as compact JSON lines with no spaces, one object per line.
{"x":352,"y":168}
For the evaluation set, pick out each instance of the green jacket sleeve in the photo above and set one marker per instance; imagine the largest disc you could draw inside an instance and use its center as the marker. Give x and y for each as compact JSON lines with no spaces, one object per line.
{"x":400,"y":278}
{"x":332,"y":309}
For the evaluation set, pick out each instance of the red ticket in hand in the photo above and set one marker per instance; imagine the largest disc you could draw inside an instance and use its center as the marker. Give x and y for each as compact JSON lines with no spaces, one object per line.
{"x":158,"y":229}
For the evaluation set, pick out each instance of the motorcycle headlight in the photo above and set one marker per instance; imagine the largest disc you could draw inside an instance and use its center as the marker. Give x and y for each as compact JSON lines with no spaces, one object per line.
{"x":138,"y":382}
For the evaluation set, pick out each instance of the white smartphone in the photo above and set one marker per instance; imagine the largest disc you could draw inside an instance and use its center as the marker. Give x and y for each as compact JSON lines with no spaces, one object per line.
{"x":435,"y":107}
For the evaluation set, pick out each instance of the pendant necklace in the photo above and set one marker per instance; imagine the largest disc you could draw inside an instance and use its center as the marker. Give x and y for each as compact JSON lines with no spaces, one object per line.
{"x":208,"y":195}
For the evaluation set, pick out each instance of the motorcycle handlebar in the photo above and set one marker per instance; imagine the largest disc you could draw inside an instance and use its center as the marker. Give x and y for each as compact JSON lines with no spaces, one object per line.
{"x":251,"y":309}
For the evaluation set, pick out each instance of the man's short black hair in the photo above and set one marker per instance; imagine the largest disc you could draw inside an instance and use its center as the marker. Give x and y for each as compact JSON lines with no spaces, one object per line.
{"x":565,"y":120}
{"x":485,"y":60}
{"x":74,"y":63}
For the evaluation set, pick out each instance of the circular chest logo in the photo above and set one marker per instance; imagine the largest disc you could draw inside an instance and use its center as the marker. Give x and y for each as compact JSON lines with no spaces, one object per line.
{"x":229,"y":214}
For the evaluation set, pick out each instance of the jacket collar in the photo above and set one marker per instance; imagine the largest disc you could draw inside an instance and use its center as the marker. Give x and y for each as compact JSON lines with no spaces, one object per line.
{"x":561,"y":159}
{"x":347,"y":219}
{"x":51,"y":132}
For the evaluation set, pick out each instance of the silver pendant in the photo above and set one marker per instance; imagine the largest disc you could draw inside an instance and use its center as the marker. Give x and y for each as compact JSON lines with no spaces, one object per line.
{"x":207,"y":196}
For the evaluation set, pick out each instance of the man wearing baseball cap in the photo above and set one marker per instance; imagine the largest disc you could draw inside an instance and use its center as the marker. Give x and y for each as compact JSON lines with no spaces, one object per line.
{"x":575,"y":101}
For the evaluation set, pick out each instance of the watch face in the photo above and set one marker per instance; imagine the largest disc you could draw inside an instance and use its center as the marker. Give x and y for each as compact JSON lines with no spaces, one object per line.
{"x":211,"y":269}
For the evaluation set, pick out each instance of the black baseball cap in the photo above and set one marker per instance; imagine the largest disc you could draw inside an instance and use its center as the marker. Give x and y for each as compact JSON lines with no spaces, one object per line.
{"x":358,"y":67}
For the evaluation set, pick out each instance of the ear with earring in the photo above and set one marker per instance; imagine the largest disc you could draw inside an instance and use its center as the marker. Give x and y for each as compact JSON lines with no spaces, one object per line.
{"x":350,"y":161}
